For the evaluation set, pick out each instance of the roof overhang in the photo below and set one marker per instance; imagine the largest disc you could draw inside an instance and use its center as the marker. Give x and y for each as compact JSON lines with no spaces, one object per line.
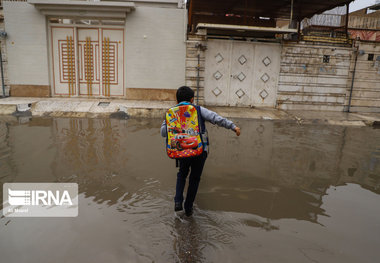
{"x":83,"y":8}
{"x":276,"y":30}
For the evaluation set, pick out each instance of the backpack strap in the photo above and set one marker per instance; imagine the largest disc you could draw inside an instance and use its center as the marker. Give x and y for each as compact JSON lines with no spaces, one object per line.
{"x":201,"y":121}
{"x":202,"y":124}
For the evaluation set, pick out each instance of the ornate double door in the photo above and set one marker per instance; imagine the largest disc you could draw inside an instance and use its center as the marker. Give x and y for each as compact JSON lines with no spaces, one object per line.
{"x":88,"y":61}
{"x":241,"y":73}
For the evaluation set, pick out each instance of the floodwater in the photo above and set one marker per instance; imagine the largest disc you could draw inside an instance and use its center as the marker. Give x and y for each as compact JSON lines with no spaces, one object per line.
{"x":281,"y":192}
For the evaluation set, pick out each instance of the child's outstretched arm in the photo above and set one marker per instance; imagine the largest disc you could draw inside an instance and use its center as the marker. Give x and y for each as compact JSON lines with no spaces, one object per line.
{"x":214,"y":118}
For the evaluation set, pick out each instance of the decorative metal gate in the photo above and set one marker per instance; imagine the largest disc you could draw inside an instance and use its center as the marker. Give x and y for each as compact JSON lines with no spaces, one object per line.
{"x":88,"y":61}
{"x":89,"y":70}
{"x":241,"y":73}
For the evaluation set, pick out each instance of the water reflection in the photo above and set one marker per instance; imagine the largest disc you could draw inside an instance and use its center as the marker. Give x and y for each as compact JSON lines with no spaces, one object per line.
{"x":287,"y":168}
{"x":278,"y":182}
{"x":186,"y":242}
{"x":6,"y":163}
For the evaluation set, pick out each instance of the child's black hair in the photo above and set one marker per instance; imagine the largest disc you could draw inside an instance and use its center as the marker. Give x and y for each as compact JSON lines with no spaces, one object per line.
{"x":184,"y":93}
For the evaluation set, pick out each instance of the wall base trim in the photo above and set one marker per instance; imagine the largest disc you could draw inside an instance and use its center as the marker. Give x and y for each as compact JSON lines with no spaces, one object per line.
{"x":151,"y":94}
{"x":29,"y":90}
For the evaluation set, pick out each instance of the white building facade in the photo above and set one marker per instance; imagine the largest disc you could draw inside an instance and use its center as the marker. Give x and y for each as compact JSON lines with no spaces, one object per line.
{"x":97,"y":49}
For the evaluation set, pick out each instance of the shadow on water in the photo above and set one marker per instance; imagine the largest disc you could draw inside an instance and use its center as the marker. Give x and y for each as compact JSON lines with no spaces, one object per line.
{"x":279,"y":191}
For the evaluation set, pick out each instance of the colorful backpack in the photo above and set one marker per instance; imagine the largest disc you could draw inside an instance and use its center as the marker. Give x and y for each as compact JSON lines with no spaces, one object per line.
{"x":184,"y":127}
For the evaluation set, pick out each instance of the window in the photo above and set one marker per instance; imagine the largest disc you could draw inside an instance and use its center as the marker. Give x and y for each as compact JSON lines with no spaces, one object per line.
{"x":326,"y":58}
{"x":87,"y":22}
{"x":370,"y":57}
{"x":370,"y":11}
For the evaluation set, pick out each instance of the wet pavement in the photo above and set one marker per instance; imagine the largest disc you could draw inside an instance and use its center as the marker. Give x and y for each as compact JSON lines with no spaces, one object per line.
{"x":103,"y":108}
{"x":281,"y":192}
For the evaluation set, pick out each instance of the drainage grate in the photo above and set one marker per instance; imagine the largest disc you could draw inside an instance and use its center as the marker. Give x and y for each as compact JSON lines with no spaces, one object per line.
{"x":103,"y":104}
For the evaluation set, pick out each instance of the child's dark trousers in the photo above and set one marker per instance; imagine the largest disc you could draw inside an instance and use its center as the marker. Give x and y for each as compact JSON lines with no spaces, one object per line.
{"x":195,"y":164}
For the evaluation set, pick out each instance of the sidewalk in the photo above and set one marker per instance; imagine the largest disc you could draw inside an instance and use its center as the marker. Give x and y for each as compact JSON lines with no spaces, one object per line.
{"x":80,"y":107}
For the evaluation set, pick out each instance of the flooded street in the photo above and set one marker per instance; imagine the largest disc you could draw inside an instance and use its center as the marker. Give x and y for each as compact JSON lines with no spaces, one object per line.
{"x":281,"y":192}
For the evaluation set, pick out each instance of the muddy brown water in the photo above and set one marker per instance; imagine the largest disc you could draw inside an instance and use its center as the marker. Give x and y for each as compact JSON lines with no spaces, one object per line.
{"x":281,"y":192}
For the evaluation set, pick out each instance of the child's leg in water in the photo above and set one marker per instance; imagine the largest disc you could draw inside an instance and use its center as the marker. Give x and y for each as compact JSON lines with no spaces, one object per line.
{"x":197,"y":165}
{"x":184,"y":166}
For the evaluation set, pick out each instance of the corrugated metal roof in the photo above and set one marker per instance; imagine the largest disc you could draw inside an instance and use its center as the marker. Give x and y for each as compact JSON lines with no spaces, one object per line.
{"x":267,"y":8}
{"x":375,"y":7}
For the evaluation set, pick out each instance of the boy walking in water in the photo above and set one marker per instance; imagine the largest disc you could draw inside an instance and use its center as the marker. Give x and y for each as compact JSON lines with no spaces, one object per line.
{"x":185,"y":96}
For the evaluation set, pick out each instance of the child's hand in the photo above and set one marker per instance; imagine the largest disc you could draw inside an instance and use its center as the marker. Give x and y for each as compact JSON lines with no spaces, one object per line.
{"x":237,"y":131}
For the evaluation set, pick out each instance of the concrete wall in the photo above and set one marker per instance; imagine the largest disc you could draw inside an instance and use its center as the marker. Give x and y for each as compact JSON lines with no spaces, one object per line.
{"x":155,"y":48}
{"x":366,"y":89}
{"x":26,"y":45}
{"x":306,"y":82}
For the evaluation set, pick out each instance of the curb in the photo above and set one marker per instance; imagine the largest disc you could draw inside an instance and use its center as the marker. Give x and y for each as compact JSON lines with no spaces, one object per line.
{"x":123,"y":112}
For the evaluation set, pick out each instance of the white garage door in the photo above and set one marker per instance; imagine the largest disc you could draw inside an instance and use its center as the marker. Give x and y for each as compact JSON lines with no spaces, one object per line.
{"x":241,"y":73}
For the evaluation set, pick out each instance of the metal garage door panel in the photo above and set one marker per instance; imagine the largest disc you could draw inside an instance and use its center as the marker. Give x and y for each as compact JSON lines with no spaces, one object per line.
{"x":241,"y":74}
{"x":266,"y":73}
{"x":217,"y":72}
